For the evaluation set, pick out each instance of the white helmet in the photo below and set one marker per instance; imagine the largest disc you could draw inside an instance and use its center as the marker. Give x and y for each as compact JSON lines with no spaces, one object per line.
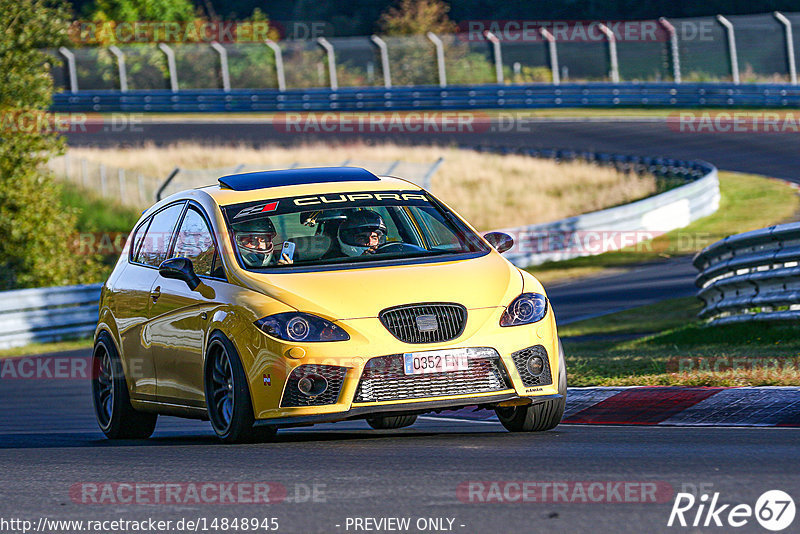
{"x":254,"y":241}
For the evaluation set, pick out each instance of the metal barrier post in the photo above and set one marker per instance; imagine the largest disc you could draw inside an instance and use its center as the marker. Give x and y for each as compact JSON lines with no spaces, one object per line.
{"x":731,"y":47}
{"x":387,"y":75}
{"x":141,"y":189}
{"x":426,"y":180}
{"x":123,"y":73}
{"x":173,"y":70}
{"x":278,"y":63}
{"x":674,"y":51}
{"x":223,"y":65}
{"x":498,"y":55}
{"x":439,"y":58}
{"x":103,"y":180}
{"x":121,"y":178}
{"x":328,"y":47}
{"x":73,"y":73}
{"x":84,"y":172}
{"x":789,"y":45}
{"x":551,"y":45}
{"x":612,"y":51}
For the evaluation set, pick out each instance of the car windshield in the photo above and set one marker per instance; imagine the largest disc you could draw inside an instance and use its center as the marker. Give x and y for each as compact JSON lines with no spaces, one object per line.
{"x":345,"y":228}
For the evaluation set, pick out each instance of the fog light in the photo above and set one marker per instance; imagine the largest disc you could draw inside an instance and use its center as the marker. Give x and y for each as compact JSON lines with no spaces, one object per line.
{"x":535,"y":365}
{"x":312,"y":385}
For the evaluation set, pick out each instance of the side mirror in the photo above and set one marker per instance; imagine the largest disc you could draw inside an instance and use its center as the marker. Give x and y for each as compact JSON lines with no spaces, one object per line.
{"x":180,"y":269}
{"x":500,"y":241}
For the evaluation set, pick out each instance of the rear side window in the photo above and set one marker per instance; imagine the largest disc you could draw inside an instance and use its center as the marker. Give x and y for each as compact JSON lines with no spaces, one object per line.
{"x":195,"y":242}
{"x":155,"y":243}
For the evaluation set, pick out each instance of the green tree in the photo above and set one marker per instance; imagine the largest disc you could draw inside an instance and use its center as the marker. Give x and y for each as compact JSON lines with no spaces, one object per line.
{"x":417,"y":17}
{"x":36,"y":230}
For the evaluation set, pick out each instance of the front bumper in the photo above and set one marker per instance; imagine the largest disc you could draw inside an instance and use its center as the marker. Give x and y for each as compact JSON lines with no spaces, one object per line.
{"x":406,"y":408}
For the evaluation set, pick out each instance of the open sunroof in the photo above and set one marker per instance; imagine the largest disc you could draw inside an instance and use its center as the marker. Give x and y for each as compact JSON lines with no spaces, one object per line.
{"x":260,"y":180}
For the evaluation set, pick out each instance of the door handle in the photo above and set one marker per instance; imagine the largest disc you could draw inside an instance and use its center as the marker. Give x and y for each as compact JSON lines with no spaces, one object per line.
{"x":155,"y":293}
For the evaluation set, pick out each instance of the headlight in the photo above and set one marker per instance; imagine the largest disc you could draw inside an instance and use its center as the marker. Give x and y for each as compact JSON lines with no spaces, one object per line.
{"x":526,"y":308}
{"x":297,"y":326}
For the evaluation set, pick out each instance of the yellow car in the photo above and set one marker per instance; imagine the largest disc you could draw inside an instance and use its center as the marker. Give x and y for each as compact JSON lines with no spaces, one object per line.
{"x":287,"y":298}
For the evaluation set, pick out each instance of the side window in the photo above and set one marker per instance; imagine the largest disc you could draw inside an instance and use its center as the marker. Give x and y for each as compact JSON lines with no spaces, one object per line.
{"x":159,"y":234}
{"x":138,"y":237}
{"x":196,"y":243}
{"x":436,"y":231}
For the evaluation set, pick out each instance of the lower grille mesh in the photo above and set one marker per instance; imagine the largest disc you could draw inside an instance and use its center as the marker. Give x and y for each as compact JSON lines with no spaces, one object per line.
{"x":384,"y":380}
{"x":521,"y":360}
{"x":333,"y":374}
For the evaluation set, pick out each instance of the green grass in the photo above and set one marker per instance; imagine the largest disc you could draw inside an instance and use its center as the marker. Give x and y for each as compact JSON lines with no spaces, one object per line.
{"x":747,"y":202}
{"x":96,"y":214}
{"x":43,"y":348}
{"x":674,"y":348}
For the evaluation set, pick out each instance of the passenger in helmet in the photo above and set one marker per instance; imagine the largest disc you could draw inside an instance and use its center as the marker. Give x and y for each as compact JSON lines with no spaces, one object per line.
{"x":254,"y":241}
{"x":362,"y":233}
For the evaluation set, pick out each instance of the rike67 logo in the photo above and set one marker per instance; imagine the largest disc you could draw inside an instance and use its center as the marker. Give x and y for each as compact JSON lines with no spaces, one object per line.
{"x":774,"y":510}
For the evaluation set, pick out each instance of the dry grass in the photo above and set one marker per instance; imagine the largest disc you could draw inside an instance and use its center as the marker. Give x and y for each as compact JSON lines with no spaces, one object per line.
{"x":490,"y":191}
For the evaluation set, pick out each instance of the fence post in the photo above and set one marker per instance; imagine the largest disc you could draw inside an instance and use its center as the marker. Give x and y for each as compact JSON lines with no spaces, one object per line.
{"x":498,"y":55}
{"x":121,"y":178}
{"x":66,"y":165}
{"x":278,"y":63}
{"x":84,"y":172}
{"x":73,"y":73}
{"x":328,"y":47}
{"x":141,"y":189}
{"x":426,"y":180}
{"x":439,"y":58}
{"x":387,"y":75}
{"x":551,"y":45}
{"x":173,"y":70}
{"x":392,"y":167}
{"x":223,"y":65}
{"x":612,"y":51}
{"x":103,"y":180}
{"x":674,"y":51}
{"x":731,"y":47}
{"x":123,"y":72}
{"x":789,"y":45}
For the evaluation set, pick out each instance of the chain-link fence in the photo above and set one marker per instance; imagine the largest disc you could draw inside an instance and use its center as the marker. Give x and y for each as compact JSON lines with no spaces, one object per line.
{"x":131,"y":188}
{"x":750,"y":48}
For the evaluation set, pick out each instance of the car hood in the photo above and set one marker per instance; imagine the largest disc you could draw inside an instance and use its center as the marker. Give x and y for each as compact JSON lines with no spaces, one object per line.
{"x":487,"y":281}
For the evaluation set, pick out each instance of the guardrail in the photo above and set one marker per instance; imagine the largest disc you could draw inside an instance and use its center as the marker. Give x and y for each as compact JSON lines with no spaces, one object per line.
{"x":621,"y":226}
{"x":464,"y":97}
{"x":754,"y":276}
{"x":48,"y":314}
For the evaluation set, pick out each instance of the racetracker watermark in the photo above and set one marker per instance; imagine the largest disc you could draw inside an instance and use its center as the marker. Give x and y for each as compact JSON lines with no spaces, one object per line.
{"x":88,"y":32}
{"x":392,"y":122}
{"x":38,"y":122}
{"x":570,"y":491}
{"x":585,"y":31}
{"x":734,"y":122}
{"x":46,"y":368}
{"x":177,"y":493}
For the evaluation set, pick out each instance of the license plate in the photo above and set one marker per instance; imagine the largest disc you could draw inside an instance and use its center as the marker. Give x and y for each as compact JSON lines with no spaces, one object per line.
{"x":437,"y":361}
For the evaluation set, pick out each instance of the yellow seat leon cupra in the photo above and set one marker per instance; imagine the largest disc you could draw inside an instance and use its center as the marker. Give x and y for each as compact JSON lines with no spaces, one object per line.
{"x":288,"y":298}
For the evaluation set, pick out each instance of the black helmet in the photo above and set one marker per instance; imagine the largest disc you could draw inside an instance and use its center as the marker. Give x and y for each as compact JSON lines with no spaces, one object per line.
{"x":254,"y":240}
{"x":355,"y":232}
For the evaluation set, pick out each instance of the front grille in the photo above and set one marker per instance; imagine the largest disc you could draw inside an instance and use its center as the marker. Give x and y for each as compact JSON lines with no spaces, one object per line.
{"x":520,"y":361}
{"x":333,"y":374}
{"x":384,"y":380}
{"x":404,"y":322}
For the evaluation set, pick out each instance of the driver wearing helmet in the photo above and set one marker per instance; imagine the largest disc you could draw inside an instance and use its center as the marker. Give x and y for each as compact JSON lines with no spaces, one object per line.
{"x":362,"y":233}
{"x":254,"y":241}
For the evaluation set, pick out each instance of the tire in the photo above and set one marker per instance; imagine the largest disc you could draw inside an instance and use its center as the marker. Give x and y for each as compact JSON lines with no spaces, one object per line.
{"x":230,"y":409}
{"x":387,"y":422}
{"x":112,"y":404}
{"x":539,"y":416}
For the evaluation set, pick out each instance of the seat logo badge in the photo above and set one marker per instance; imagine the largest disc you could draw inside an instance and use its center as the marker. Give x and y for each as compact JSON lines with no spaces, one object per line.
{"x":427,"y":323}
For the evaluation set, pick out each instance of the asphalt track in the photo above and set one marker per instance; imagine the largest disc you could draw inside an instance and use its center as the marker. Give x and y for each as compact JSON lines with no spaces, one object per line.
{"x":771,"y":154}
{"x":49,"y":443}
{"x":50,"y":448}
